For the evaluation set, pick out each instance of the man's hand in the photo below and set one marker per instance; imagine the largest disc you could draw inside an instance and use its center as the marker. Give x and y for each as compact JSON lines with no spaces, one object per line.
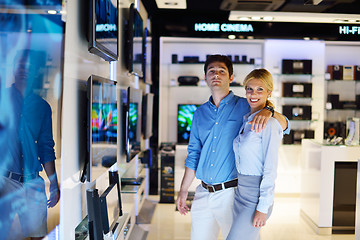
{"x":181,"y":203}
{"x":260,"y":120}
{"x":54,"y":195}
{"x":259,"y":219}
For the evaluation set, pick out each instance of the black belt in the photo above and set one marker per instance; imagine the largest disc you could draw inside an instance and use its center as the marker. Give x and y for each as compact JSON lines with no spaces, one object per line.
{"x":19,"y":177}
{"x":220,"y":186}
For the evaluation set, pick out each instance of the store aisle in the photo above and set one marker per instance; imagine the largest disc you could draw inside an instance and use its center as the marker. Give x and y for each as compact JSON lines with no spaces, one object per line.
{"x":284,"y":224}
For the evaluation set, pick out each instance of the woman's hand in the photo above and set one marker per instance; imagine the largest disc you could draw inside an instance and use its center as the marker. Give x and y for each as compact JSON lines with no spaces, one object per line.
{"x":259,"y":219}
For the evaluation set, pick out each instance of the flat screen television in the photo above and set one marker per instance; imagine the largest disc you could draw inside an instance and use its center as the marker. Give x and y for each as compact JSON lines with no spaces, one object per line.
{"x":134,"y":122}
{"x":184,"y":119}
{"x":134,"y":43}
{"x":147,"y":113}
{"x":147,"y":57}
{"x":101,"y":122}
{"x":110,"y":207}
{"x":103,"y":29}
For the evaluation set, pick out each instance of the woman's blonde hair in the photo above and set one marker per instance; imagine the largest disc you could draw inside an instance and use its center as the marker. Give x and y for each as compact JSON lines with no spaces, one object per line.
{"x":263,"y":75}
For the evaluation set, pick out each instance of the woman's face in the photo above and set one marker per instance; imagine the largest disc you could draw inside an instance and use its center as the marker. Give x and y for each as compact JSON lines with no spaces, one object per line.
{"x":256,"y":94}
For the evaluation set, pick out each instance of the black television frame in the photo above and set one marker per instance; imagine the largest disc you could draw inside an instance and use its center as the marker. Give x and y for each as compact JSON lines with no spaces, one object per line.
{"x":94,"y":46}
{"x":129,"y":42}
{"x":86,"y":174}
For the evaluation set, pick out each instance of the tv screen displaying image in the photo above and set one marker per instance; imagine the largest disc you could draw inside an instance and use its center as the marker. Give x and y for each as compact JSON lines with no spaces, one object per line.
{"x":184,"y":120}
{"x":104,"y":122}
{"x":103,"y":30}
{"x":133,"y":119}
{"x":134,"y":122}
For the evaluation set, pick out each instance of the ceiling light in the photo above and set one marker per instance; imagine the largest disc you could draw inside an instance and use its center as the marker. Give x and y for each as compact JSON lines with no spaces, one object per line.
{"x":306,"y":38}
{"x":51,"y":11}
{"x":255,"y":18}
{"x":173,"y":4}
{"x":268,"y":18}
{"x":244,"y":18}
{"x":231,"y":37}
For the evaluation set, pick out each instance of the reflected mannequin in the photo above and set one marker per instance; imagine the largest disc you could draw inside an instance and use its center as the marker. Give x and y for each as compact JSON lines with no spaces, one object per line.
{"x":28,"y":149}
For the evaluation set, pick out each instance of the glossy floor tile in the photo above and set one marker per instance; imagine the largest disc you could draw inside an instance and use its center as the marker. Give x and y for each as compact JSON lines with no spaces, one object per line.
{"x":285,"y":223}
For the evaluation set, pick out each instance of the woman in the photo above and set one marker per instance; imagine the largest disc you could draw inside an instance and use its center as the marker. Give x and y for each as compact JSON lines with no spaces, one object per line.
{"x":256,"y":156}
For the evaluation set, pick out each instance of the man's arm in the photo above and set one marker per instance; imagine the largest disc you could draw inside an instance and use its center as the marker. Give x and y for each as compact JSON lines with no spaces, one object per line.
{"x":260,"y":120}
{"x":189,"y":176}
{"x":54,"y":186}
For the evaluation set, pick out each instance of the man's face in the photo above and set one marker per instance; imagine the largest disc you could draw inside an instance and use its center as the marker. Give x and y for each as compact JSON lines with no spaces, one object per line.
{"x":217,"y":76}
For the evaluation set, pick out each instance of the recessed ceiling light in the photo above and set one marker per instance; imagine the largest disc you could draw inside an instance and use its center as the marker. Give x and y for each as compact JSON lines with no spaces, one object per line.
{"x":171,"y":3}
{"x":250,"y":37}
{"x":244,"y":18}
{"x":306,"y":38}
{"x":51,"y":12}
{"x":231,"y":37}
{"x":256,"y":18}
{"x":268,"y":18}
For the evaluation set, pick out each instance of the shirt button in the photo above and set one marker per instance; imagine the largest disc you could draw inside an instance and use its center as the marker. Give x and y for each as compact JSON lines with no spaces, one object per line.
{"x":215,"y":137}
{"x":216,"y":123}
{"x":212,"y":165}
{"x":215,"y":110}
{"x":211,"y":178}
{"x":213,"y":150}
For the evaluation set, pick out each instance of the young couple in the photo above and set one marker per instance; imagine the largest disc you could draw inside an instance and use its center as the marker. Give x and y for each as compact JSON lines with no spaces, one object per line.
{"x":233,"y":150}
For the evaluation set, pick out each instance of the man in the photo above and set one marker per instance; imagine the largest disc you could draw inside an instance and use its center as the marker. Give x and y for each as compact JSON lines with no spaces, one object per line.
{"x":29,"y":149}
{"x":210,"y":152}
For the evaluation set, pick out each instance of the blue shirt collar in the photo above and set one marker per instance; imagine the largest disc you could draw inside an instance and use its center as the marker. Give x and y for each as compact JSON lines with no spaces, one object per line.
{"x":228,"y":99}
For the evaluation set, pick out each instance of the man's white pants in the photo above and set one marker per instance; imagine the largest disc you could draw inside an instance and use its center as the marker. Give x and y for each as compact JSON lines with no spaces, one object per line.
{"x":210,"y":212}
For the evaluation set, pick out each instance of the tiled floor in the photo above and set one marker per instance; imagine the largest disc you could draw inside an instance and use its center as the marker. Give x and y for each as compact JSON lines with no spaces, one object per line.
{"x":285,"y":223}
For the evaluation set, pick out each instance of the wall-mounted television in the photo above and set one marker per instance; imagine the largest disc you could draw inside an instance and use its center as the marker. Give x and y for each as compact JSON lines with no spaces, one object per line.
{"x":101,"y":122}
{"x":134,"y":43}
{"x":147,"y":113}
{"x":103,"y":29}
{"x":184,"y":120}
{"x":134,"y":122}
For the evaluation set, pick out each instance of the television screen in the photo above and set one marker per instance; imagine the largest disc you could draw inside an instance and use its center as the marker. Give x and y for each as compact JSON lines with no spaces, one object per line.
{"x":148,"y":102}
{"x":102,"y":121}
{"x":134,"y":122}
{"x":134,"y":43}
{"x":103,"y":30}
{"x":184,"y":120}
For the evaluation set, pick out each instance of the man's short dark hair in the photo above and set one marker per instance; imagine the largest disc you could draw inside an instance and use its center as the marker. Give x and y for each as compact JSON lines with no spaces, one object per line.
{"x":219,"y":58}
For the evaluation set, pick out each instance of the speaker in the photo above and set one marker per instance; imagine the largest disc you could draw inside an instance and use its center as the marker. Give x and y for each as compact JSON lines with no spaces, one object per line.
{"x":332,"y":129}
{"x":357,"y":101}
{"x":297,"y":112}
{"x":290,"y":66}
{"x":174,"y":58}
{"x":348,"y":72}
{"x":294,"y":89}
{"x":336,"y":72}
{"x":334,"y":100}
{"x":244,"y":59}
{"x":188,"y":80}
{"x":357,"y":73}
{"x":191,"y":59}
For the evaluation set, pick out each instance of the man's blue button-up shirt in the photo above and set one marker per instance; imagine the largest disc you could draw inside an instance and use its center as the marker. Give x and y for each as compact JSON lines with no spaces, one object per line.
{"x":210,"y":149}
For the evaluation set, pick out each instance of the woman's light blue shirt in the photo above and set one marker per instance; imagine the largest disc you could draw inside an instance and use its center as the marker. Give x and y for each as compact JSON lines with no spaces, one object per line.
{"x":257,"y":154}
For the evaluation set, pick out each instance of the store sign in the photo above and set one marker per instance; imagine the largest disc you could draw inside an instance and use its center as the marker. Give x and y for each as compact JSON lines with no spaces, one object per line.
{"x":349,"y":30}
{"x":224,"y":27}
{"x":105,"y":27}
